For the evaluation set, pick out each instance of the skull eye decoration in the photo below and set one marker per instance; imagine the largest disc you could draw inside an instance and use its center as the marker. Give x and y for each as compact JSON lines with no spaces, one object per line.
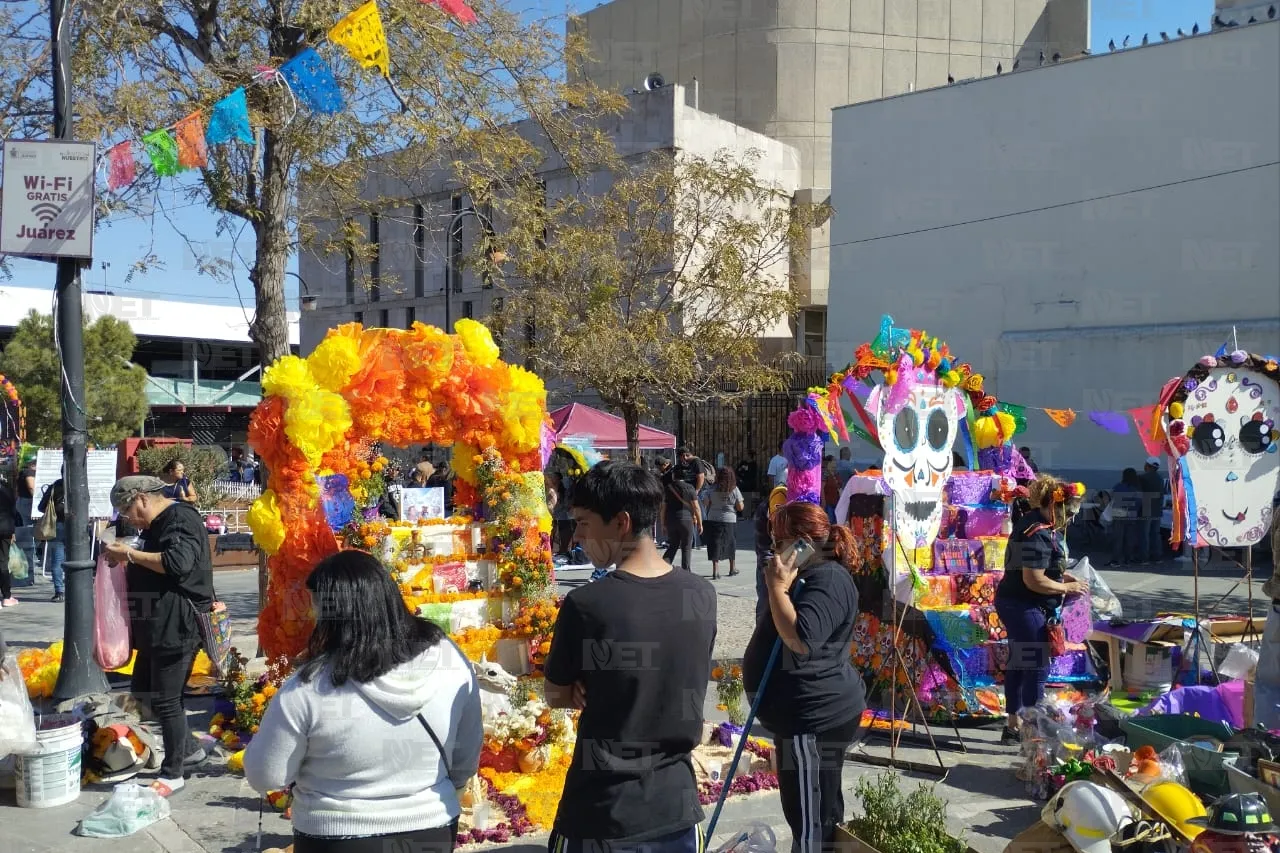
{"x":906,"y":430}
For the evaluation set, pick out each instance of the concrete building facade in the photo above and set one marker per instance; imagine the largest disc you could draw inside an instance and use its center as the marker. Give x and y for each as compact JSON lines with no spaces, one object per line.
{"x":420,"y":257}
{"x":1079,"y":233}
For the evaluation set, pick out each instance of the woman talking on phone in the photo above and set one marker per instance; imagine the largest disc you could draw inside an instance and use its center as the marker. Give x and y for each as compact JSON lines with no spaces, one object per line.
{"x":813,"y":699}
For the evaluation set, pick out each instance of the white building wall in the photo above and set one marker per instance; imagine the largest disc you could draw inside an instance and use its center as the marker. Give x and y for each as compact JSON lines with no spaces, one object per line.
{"x":657,"y":121}
{"x":1080,"y":233}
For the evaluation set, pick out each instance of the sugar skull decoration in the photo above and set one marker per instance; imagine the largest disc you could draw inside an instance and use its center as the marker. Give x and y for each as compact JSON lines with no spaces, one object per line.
{"x":1220,"y":426}
{"x":916,"y":409}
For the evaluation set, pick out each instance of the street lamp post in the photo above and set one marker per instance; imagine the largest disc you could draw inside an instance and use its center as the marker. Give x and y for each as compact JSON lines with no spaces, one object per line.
{"x":79,"y":674}
{"x":306,"y":302}
{"x":455,"y":220}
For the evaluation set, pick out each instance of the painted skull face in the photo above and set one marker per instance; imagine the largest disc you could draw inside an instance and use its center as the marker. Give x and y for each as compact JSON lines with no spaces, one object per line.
{"x":916,"y":419}
{"x":1227,"y":435}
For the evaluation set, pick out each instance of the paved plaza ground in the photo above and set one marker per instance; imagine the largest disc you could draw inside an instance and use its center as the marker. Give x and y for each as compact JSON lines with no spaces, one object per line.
{"x":219,"y":813}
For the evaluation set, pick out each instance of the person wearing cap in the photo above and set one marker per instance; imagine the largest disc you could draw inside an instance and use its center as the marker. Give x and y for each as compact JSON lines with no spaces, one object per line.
{"x":1150,"y":548}
{"x":170,"y":579}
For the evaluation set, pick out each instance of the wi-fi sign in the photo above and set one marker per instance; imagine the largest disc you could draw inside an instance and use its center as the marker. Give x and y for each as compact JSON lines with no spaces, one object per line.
{"x":46,"y":212}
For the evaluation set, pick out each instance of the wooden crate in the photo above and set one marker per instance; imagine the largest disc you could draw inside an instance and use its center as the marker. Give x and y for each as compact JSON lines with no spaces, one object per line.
{"x":1040,"y":838}
{"x":846,"y":842}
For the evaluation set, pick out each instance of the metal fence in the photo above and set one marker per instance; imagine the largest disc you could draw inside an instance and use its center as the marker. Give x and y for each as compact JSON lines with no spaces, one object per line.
{"x":758,"y":423}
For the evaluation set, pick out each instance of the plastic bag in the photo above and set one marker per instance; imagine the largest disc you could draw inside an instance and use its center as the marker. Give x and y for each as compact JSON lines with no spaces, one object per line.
{"x":17,"y":720}
{"x":130,"y":808}
{"x":1240,"y":662}
{"x":1103,"y":602}
{"x":110,"y":616}
{"x":1172,"y":766}
{"x":17,"y":563}
{"x":758,"y":838}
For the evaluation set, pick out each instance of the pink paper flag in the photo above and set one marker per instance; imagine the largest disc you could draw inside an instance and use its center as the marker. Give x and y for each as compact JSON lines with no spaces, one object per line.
{"x":120,"y":166}
{"x":457,"y":8}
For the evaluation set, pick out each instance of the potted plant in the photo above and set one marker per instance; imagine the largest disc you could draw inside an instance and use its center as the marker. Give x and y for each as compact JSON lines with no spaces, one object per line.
{"x":897,"y":822}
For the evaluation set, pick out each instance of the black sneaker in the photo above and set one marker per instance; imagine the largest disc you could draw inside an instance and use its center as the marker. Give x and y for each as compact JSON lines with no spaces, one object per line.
{"x":57,"y":597}
{"x":1009,"y":737}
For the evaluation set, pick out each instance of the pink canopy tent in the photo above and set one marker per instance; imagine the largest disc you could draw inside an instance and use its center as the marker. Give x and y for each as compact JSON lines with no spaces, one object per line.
{"x":603,"y":430}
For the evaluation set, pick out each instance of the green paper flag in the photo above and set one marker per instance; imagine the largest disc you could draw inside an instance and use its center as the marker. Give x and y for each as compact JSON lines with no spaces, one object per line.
{"x":163,"y":151}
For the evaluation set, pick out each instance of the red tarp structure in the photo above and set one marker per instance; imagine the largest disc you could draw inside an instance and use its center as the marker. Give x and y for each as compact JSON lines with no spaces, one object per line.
{"x":603,"y":430}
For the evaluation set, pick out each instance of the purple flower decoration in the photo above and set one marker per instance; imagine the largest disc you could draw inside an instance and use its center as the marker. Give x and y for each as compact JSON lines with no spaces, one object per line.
{"x":1239,"y":357}
{"x":1191,"y":384}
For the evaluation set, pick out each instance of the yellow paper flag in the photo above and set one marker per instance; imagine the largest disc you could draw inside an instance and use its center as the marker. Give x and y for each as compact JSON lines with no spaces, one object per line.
{"x":362,"y":35}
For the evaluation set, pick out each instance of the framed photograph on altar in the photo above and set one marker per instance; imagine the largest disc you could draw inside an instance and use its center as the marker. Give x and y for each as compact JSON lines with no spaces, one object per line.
{"x":416,"y":504}
{"x":1269,"y":772}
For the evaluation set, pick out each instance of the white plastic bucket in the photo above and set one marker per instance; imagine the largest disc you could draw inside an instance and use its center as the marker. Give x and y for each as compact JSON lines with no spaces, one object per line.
{"x":51,"y":775}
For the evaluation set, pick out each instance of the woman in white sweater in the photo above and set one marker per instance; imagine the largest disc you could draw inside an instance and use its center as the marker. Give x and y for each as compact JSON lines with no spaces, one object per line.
{"x":379,"y":730}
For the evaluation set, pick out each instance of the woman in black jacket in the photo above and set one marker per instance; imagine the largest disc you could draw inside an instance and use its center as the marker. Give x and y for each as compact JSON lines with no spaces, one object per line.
{"x":170,"y":580}
{"x":10,"y":521}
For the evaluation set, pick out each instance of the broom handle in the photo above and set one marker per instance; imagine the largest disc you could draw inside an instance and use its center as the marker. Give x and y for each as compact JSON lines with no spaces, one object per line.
{"x":727,"y":780}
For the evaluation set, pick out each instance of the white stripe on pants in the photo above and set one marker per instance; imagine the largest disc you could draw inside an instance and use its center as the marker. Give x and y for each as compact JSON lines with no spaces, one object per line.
{"x":808,"y":762}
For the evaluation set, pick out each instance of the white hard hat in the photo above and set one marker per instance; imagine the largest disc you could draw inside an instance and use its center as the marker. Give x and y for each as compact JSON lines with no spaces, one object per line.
{"x":1088,"y":815}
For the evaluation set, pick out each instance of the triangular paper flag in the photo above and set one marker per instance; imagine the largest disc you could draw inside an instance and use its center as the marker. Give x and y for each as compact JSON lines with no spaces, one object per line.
{"x":120,"y":166}
{"x":1111,"y":422}
{"x":362,"y":35}
{"x":458,"y":8}
{"x":1147,"y":420}
{"x":163,"y":152}
{"x":192,"y":153}
{"x":312,"y":81}
{"x":230,"y":120}
{"x":1062,"y":417}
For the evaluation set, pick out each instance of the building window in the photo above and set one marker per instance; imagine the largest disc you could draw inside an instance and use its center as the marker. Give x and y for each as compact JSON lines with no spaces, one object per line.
{"x":542,"y":209}
{"x":359,"y":317}
{"x":375,"y":262}
{"x":383,"y":319}
{"x":419,"y":251}
{"x":410,"y":315}
{"x":491,"y":250}
{"x":349,"y":256}
{"x":813,"y":334}
{"x":453,"y":272}
{"x":469,"y":310}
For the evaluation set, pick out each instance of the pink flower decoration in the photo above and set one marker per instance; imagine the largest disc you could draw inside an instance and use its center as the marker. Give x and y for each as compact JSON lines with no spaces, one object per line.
{"x":1208,"y":361}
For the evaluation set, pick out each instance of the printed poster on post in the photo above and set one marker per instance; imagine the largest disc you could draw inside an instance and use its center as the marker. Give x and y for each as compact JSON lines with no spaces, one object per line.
{"x":102,"y":476}
{"x":46,"y":207}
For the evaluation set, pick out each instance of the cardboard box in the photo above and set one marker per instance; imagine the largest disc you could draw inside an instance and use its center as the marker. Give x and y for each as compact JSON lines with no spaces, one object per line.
{"x":1040,"y":838}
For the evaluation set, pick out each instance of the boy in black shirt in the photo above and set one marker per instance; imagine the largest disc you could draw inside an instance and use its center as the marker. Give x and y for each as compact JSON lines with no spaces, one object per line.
{"x":633,"y":651}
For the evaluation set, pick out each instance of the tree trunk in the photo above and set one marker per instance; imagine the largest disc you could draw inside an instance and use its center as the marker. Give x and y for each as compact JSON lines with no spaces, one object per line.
{"x":270,"y":327}
{"x":631,"y":417}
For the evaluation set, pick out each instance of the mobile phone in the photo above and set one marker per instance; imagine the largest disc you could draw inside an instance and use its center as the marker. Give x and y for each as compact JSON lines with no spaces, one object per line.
{"x":801,"y":549}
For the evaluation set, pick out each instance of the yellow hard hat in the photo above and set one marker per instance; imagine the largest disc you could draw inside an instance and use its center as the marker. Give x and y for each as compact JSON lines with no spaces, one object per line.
{"x":1176,"y":805}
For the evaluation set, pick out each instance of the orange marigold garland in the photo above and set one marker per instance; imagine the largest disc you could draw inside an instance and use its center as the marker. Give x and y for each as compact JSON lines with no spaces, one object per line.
{"x":322,"y":415}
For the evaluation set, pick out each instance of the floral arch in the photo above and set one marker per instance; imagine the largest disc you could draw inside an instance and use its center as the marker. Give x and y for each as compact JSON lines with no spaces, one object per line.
{"x":321,"y":419}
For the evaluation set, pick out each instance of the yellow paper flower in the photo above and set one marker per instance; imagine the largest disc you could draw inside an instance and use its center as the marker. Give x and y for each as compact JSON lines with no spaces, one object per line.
{"x":477,"y":341}
{"x":289,"y":377}
{"x":464,"y":460}
{"x":334,"y":362}
{"x":235,"y":762}
{"x":523,"y":406}
{"x":315,"y":422}
{"x":265,"y":522}
{"x":987,"y":434}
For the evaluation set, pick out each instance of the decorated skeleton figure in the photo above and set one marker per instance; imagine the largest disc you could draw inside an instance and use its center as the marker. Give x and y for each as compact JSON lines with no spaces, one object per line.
{"x":1221,"y":426}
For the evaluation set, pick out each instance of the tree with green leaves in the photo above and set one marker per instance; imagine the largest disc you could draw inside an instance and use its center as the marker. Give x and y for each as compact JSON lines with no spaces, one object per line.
{"x":115,"y":396}
{"x":449,"y":102}
{"x":662,"y":288}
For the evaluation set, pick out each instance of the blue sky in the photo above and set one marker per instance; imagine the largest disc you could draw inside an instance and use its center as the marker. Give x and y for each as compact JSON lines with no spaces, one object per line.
{"x":121,"y":242}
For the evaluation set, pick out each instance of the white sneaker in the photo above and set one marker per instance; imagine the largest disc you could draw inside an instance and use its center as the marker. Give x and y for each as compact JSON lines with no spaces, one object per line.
{"x":9,"y":602}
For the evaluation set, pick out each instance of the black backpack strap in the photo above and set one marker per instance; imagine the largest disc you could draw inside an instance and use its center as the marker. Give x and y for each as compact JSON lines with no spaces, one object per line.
{"x":439,"y":746}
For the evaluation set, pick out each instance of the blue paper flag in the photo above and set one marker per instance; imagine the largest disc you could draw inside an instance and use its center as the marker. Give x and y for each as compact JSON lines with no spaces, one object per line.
{"x":312,"y":81}
{"x":1223,"y":351}
{"x":1116,"y":422}
{"x":230,"y":120}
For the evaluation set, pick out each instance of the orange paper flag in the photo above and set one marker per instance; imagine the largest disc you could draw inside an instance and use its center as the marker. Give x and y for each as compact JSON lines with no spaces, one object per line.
{"x":192,"y":153}
{"x":1062,"y":417}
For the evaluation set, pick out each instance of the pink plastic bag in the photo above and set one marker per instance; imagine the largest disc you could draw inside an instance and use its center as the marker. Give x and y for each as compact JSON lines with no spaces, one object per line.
{"x":110,"y":616}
